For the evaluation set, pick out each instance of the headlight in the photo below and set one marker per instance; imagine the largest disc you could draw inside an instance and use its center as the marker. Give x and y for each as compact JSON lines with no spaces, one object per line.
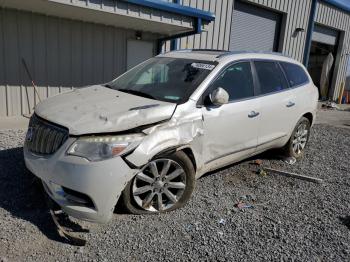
{"x":97,"y":148}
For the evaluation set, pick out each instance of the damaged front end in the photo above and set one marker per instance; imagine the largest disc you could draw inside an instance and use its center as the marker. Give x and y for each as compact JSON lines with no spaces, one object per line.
{"x":88,"y":185}
{"x":183,"y":130}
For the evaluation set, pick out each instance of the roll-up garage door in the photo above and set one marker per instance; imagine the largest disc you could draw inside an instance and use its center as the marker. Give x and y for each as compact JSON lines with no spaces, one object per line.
{"x":254,"y":28}
{"x":325,"y":35}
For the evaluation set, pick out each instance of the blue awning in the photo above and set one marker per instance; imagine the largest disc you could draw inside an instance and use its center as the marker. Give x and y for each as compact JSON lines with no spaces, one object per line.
{"x":342,"y":4}
{"x":174,"y":8}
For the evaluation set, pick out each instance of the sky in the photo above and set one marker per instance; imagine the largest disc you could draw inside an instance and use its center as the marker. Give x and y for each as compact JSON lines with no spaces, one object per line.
{"x":344,"y":2}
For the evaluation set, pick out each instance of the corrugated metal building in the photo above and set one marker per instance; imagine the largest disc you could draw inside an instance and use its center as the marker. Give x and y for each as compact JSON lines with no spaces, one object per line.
{"x":282,"y":26}
{"x":73,"y":43}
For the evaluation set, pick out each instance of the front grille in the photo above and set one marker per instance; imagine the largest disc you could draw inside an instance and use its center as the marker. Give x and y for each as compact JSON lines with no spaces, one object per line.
{"x":43,"y":137}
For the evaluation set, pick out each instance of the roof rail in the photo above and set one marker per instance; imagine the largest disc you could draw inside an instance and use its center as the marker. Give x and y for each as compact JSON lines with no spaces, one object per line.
{"x":253,"y":52}
{"x":198,"y":50}
{"x":208,"y":50}
{"x":227,"y":53}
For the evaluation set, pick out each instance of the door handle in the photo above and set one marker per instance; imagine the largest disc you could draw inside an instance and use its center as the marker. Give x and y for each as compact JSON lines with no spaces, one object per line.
{"x":290,"y":104}
{"x":253,"y":114}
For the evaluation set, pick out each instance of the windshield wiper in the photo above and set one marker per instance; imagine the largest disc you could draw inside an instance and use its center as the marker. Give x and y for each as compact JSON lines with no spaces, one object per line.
{"x":135,"y":92}
{"x":109,"y":86}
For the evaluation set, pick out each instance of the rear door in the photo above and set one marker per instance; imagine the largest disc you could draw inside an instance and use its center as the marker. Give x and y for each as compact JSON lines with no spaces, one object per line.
{"x":277,"y":104}
{"x":299,"y":83}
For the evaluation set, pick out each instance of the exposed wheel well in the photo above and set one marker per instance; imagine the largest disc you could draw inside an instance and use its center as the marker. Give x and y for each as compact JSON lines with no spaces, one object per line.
{"x":189,"y":153}
{"x":309,"y":117}
{"x":186,"y":150}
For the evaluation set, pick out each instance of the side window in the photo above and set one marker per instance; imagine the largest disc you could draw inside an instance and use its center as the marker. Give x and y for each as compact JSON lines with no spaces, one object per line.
{"x":237,"y":80}
{"x":270,"y":76}
{"x":295,"y":74}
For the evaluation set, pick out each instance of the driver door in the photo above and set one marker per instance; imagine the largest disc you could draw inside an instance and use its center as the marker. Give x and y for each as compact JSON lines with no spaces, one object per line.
{"x":231,"y":130}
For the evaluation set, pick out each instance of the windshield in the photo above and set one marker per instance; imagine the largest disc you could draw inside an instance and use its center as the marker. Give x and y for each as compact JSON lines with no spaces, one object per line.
{"x":163,"y":78}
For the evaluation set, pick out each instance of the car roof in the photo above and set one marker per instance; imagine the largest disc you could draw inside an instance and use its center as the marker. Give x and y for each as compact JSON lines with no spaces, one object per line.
{"x":223,"y":56}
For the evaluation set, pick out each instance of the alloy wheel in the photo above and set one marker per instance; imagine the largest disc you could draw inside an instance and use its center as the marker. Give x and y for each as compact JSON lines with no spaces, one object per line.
{"x":300,"y":138}
{"x":159,"y":185}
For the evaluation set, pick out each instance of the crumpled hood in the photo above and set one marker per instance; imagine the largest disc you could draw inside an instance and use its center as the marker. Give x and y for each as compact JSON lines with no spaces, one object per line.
{"x":98,"y":109}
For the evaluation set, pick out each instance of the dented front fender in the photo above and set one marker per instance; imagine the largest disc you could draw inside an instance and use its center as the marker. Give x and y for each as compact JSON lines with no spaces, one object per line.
{"x":182,"y":130}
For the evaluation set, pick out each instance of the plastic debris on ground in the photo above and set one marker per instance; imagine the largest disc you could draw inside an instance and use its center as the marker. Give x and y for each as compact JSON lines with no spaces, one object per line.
{"x":246,"y":201}
{"x":243,"y":205}
{"x":290,"y":160}
{"x":330,"y":105}
{"x":222,"y":221}
{"x":257,"y":162}
{"x":261,"y":172}
{"x":189,"y":227}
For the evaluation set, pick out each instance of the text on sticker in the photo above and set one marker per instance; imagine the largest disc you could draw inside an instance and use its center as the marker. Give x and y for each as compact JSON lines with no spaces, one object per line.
{"x":203,"y":66}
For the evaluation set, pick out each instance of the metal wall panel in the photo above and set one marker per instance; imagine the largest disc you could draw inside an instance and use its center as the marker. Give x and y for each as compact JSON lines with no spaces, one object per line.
{"x":340,"y":20}
{"x":60,"y":53}
{"x":296,"y":15}
{"x":217,"y":35}
{"x":138,"y":52}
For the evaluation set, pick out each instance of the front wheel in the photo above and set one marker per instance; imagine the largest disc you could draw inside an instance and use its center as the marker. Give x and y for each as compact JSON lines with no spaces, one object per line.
{"x":164,"y":184}
{"x":298,"y":140}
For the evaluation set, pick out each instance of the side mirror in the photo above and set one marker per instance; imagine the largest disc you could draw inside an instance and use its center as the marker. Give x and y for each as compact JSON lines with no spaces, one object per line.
{"x":219,"y":96}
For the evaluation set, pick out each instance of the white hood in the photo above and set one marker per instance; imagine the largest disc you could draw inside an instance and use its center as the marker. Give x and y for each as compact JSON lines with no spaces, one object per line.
{"x":98,"y":109}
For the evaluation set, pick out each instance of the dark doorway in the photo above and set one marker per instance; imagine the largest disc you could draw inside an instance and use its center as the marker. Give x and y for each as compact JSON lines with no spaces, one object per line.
{"x":318,"y":54}
{"x":324,"y":42}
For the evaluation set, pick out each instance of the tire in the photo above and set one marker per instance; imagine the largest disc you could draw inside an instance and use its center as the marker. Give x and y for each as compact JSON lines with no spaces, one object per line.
{"x":179,"y":180}
{"x":298,"y":140}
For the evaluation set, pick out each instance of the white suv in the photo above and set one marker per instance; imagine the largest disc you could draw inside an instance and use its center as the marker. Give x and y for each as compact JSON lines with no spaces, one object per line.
{"x":146,"y":136}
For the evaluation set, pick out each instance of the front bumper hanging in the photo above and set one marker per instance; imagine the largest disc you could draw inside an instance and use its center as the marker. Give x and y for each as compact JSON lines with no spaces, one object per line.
{"x":66,"y":228}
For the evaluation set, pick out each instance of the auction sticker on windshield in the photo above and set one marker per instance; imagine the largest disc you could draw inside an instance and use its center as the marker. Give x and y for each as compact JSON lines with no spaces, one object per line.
{"x":203,"y":66}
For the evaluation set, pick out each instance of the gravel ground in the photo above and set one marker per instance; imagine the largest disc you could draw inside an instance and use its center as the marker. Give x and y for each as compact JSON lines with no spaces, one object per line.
{"x":292,"y":220}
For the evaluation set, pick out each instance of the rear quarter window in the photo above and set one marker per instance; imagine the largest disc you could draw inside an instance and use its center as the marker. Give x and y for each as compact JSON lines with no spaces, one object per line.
{"x":296,"y":75}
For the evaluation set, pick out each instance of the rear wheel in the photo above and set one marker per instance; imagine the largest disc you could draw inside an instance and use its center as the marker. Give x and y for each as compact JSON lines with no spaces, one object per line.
{"x":299,"y":139}
{"x":164,"y":184}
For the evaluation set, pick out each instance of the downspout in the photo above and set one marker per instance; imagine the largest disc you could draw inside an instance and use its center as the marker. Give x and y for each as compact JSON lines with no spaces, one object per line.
{"x":197,"y":30}
{"x":173,"y":43}
{"x":310,"y":29}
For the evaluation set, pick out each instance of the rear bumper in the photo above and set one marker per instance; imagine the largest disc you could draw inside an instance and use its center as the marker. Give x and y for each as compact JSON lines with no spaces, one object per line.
{"x":85,"y":190}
